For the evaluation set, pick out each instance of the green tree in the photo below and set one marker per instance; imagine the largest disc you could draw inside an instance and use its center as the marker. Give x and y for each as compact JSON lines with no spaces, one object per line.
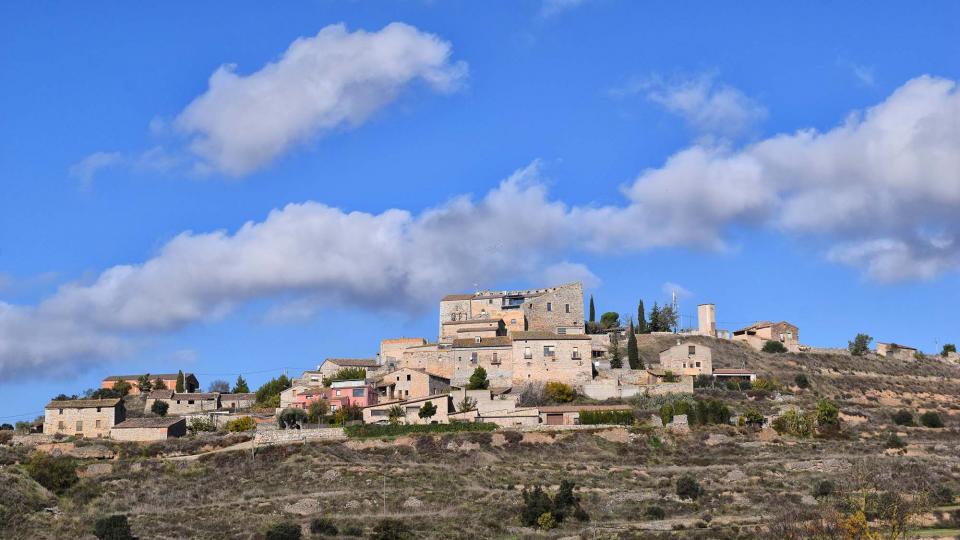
{"x":180,"y":386}
{"x":860,"y":345}
{"x":427,"y":411}
{"x":144,"y":384}
{"x":593,"y":311}
{"x":159,"y":408}
{"x":317,"y":411}
{"x":947,"y":349}
{"x":654,"y":324}
{"x":122,"y":388}
{"x":56,"y":473}
{"x":395,"y":413}
{"x":931,"y":419}
{"x":641,"y":319}
{"x":668,"y":319}
{"x":478,"y":380}
{"x":291,"y":417}
{"x":349,"y":374}
{"x":268,"y":395}
{"x":240,"y":387}
{"x":828,"y":415}
{"x":158,"y":384}
{"x":688,"y":487}
{"x":610,"y":319}
{"x":616,"y":360}
{"x":114,"y":527}
{"x":773,"y":346}
{"x":633,"y":351}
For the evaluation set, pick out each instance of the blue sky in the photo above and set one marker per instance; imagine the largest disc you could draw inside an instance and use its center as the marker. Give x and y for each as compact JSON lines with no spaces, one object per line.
{"x":783,"y":162}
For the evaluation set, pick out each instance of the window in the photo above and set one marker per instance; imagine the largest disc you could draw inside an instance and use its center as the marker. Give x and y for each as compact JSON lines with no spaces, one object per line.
{"x":98,"y":424}
{"x":549,"y":306}
{"x":338,"y":392}
{"x":513,"y":321}
{"x":789,"y":335}
{"x":60,"y":425}
{"x":698,"y":364}
{"x":474,"y":357}
{"x":61,"y":411}
{"x":531,"y":305}
{"x":576,"y":353}
{"x":495,"y":360}
{"x":549,"y":350}
{"x":526,"y":353}
{"x":561,"y":330}
{"x":692,"y":349}
{"x":398,"y":378}
{"x":358,"y":392}
{"x":408,"y":376}
{"x":490,"y":301}
{"x":98,"y":410}
{"x":190,"y":402}
{"x":476,"y":339}
{"x":79,"y":425}
{"x":566,"y":308}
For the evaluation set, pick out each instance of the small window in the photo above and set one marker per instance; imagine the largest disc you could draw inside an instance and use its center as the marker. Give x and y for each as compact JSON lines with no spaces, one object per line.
{"x":98,"y":409}
{"x":79,"y":426}
{"x":549,"y":306}
{"x":527,"y":354}
{"x":513,"y":321}
{"x":698,"y":364}
{"x":495,"y":360}
{"x":566,"y":308}
{"x":576,"y":353}
{"x":60,"y":425}
{"x":490,"y":301}
{"x":789,"y":335}
{"x":358,"y":392}
{"x":338,"y":392}
{"x":692,"y":349}
{"x":474,"y":357}
{"x":190,"y":402}
{"x":97,"y":423}
{"x":408,"y":376}
{"x":561,"y":330}
{"x":61,"y":411}
{"x":549,"y":350}
{"x":476,"y":339}
{"x":531,"y":305}
{"x":398,"y":378}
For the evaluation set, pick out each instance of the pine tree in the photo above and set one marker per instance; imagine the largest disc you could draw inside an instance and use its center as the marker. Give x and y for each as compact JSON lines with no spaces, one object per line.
{"x":616,"y":360}
{"x":593,"y":311}
{"x":633,"y":352}
{"x":180,"y":387}
{"x":655,"y":318}
{"x":641,"y":319}
{"x":241,"y":386}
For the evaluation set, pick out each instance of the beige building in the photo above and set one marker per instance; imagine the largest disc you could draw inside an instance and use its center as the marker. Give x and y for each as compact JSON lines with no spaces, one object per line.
{"x":180,"y":404}
{"x":238,"y":401}
{"x":686,"y":358}
{"x":83,"y":417}
{"x":707,"y":320}
{"x":380,"y":413}
{"x":895,"y":350}
{"x":545,"y":356}
{"x":758,"y":334}
{"x":496,"y":407}
{"x":493,"y":354}
{"x":409,"y":383}
{"x":149,"y":429}
{"x":568,"y":415}
{"x":331,"y":366}
{"x":391,"y":350}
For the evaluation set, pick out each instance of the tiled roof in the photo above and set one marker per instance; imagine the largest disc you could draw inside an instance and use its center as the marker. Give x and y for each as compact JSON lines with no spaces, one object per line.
{"x":727,"y":371}
{"x":241,"y":395}
{"x":153,"y":376}
{"x":450,"y":297}
{"x":160,"y":394}
{"x":539,"y":336}
{"x":582,"y":408}
{"x":83,"y":403}
{"x":471,"y":343}
{"x":149,"y":422}
{"x":196,"y":395}
{"x":353,"y":362}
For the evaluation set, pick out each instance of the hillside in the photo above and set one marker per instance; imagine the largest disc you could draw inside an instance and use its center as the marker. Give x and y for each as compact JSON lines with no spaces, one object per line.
{"x":755,"y":484}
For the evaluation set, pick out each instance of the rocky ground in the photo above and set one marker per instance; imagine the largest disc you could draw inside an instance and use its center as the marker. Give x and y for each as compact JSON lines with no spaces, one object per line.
{"x":469,"y":485}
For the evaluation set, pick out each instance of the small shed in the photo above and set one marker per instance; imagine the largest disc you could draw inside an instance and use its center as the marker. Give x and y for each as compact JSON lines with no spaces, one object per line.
{"x":149,"y":428}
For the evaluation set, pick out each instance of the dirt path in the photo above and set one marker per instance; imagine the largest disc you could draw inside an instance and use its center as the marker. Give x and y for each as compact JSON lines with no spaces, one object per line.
{"x":245,"y":445}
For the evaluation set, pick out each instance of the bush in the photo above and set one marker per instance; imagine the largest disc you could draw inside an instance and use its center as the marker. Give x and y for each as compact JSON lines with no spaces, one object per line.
{"x":606,"y":417}
{"x":546,"y":521}
{"x":823,"y":488}
{"x":159,"y":408}
{"x":427,"y":411}
{"x":114,"y":527}
{"x":931,"y":419}
{"x":703,"y":381}
{"x":198,"y":425}
{"x":753,"y":417}
{"x":773,"y":346}
{"x":390,"y":529}
{"x":241,"y":424}
{"x":860,"y":345}
{"x":290,"y":418}
{"x":285,"y":530}
{"x":688,"y":487}
{"x":323,"y":527}
{"x":56,"y":473}
{"x":902,"y":417}
{"x":828,"y":415}
{"x":895,"y":442}
{"x":655,"y":512}
{"x":348,"y":374}
{"x":537,"y":504}
{"x":947,"y":349}
{"x":559,"y":392}
{"x":801,"y":381}
{"x":393,"y":430}
{"x":796,"y":422}
{"x":352,"y":530}
{"x":943,"y":495}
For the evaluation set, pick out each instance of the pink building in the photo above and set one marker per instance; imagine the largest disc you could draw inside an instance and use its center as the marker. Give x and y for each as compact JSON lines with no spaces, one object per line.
{"x":339,"y":394}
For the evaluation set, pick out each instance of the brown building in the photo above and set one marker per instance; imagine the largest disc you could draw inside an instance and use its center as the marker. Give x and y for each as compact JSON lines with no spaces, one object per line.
{"x":83,"y":417}
{"x":149,"y":429}
{"x":391,"y":350}
{"x":895,"y":350}
{"x":568,"y":415}
{"x":190,"y":382}
{"x":756,"y":335}
{"x":545,"y":357}
{"x":687,"y":358}
{"x":409,"y":383}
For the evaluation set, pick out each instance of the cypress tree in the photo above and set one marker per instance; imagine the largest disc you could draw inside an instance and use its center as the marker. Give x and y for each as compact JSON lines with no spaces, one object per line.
{"x":593,"y":311}
{"x":180,"y":388}
{"x":641,"y":319}
{"x":633,"y":353}
{"x":655,"y":318}
{"x":615,"y":360}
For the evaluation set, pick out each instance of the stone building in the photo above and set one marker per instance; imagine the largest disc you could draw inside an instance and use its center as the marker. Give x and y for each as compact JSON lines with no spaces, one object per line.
{"x":553,"y":309}
{"x":190,"y":382}
{"x":495,"y":407}
{"x":380,"y":413}
{"x":493,"y":354}
{"x":83,"y":417}
{"x":331,"y":366}
{"x":433,"y":358}
{"x":180,"y":404}
{"x":150,"y":428}
{"x":895,"y":350}
{"x":568,"y":415}
{"x":756,"y":335}
{"x":686,"y":358}
{"x":707,"y":320}
{"x":409,"y":383}
{"x":545,"y":356}
{"x":391,"y":350}
{"x":238,"y":401}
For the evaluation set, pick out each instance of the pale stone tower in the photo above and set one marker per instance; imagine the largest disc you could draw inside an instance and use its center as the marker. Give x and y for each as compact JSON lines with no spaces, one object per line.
{"x":707,"y":320}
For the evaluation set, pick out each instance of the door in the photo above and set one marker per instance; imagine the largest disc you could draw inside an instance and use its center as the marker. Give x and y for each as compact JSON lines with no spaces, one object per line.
{"x":555,"y":419}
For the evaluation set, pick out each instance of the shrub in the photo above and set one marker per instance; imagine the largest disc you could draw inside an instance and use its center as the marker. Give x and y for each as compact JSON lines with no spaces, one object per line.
{"x":198,"y":424}
{"x":323,"y":527}
{"x":823,"y":488}
{"x":902,"y":417}
{"x":703,"y":381}
{"x":931,"y":419}
{"x":159,"y":408}
{"x":56,"y":473}
{"x":284,"y":530}
{"x":114,"y":527}
{"x":352,"y":530}
{"x":559,"y":392}
{"x":390,"y":529}
{"x":773,"y":346}
{"x":317,"y":411}
{"x":241,"y":424}
{"x":895,"y":442}
{"x":291,"y":417}
{"x":801,"y":381}
{"x":947,"y":349}
{"x":753,"y":417}
{"x":427,"y":411}
{"x":828,"y":415}
{"x":348,"y":374}
{"x":860,"y":345}
{"x":655,"y":512}
{"x":346,"y":414}
{"x":943,"y":495}
{"x":546,"y":521}
{"x":537,"y":503}
{"x":666,"y":413}
{"x":688,"y":487}
{"x":478,"y":380}
{"x":606,"y":417}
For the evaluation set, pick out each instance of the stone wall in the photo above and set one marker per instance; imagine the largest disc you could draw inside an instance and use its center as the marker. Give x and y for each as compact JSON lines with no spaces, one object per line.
{"x":569,"y":364}
{"x":565,"y":309}
{"x":499,"y":370}
{"x":269,"y":437}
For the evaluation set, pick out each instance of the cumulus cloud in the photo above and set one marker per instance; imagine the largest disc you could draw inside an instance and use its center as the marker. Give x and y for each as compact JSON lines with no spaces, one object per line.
{"x":706,"y":105}
{"x":334,"y":79}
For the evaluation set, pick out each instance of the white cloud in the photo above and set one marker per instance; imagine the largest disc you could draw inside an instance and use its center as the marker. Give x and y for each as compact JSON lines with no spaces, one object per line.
{"x":707,"y":106}
{"x":864,"y":74}
{"x":568,"y":272}
{"x":669,"y":288}
{"x":549,"y":8}
{"x":89,"y":166}
{"x":334,"y":79}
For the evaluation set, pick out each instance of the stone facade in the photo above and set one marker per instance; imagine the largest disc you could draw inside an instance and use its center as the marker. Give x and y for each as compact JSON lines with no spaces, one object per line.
{"x":83,"y":417}
{"x":411,"y":409}
{"x":392,"y":349}
{"x":408,"y":383}
{"x":707,"y":320}
{"x":237,"y":401}
{"x":686,"y":358}
{"x":542,"y":356}
{"x":895,"y":350}
{"x":286,"y":436}
{"x":758,"y":334}
{"x":331,"y":366}
{"x":495,"y":355}
{"x":495,"y":408}
{"x":565,"y":415}
{"x":149,"y":429}
{"x":180,"y":404}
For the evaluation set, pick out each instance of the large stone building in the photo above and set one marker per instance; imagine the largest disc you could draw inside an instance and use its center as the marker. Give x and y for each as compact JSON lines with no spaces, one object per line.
{"x":756,"y":335}
{"x":331,"y":366}
{"x":83,"y":417}
{"x":686,"y":358}
{"x":391,"y":350}
{"x":190,"y":382}
{"x":409,"y":383}
{"x":554,"y":309}
{"x":150,"y":428}
{"x":545,"y":356}
{"x":493,"y":354}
